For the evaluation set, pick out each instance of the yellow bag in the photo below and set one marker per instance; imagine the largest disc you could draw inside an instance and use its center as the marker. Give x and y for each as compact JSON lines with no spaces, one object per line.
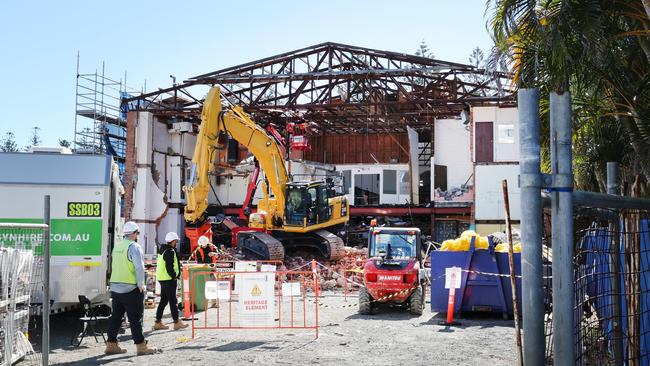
{"x":461,"y":245}
{"x":467,"y":234}
{"x":481,"y":242}
{"x":501,"y":248}
{"x":446,"y":245}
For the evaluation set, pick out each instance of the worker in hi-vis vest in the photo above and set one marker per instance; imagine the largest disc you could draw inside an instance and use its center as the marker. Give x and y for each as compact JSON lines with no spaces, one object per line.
{"x":127,"y":291}
{"x":168,"y":270}
{"x":205,"y":252}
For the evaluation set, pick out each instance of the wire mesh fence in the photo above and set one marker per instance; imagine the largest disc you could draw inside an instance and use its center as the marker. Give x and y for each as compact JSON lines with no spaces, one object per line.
{"x":612,"y":295}
{"x":21,"y":288}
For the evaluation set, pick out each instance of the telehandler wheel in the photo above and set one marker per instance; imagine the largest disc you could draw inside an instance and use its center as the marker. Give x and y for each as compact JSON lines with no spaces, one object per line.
{"x":365,"y":302}
{"x":416,"y":302}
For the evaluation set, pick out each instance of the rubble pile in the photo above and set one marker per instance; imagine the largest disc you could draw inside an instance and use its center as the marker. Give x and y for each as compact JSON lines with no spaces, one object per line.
{"x":330,"y":274}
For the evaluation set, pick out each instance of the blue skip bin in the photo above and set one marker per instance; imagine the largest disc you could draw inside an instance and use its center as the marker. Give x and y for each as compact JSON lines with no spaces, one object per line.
{"x":485,"y":283}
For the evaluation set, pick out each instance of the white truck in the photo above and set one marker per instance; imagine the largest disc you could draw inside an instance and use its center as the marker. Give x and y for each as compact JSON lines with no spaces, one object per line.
{"x":85,"y":209}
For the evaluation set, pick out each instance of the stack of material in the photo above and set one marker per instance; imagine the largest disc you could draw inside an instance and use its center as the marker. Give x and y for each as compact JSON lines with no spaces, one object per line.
{"x":15,"y":288}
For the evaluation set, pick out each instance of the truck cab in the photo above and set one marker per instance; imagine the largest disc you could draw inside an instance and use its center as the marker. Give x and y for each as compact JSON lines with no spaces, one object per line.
{"x":312,"y":203}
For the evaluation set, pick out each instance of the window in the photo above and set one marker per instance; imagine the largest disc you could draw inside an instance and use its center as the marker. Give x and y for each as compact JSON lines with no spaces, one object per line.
{"x":366,"y":189}
{"x":401,"y":245}
{"x":404,"y":182}
{"x":347,"y":181}
{"x":390,"y":182}
{"x":506,"y":134}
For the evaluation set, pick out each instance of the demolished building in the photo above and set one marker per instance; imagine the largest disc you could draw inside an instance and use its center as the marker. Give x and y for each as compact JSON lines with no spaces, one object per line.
{"x":404,"y":136}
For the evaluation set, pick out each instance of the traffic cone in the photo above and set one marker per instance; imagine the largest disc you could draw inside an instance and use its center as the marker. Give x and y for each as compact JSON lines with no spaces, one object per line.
{"x":450,"y":308}
{"x":186,"y":294}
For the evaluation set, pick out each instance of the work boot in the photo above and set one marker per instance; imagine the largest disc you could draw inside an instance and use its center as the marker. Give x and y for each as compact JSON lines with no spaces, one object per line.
{"x":180,"y":325}
{"x":158,"y":325}
{"x":112,"y":348}
{"x":144,"y":350}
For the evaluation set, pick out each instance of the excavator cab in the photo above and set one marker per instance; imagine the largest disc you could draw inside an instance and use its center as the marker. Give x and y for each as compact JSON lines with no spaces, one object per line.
{"x":307,"y":204}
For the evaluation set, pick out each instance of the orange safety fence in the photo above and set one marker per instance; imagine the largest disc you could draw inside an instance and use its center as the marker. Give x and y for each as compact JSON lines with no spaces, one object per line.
{"x":255,"y":300}
{"x":353,"y":280}
{"x":218,"y":267}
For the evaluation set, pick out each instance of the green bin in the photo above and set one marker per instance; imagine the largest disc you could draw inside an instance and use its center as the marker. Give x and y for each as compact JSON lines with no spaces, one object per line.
{"x":199,"y":284}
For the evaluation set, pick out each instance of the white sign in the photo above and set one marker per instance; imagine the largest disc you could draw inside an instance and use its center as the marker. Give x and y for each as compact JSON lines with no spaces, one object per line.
{"x":390,"y":278}
{"x":244,"y":266}
{"x":267,"y":268}
{"x":452,"y":277}
{"x":257,"y":299}
{"x":211,"y":290}
{"x":291,"y":289}
{"x":223,"y":290}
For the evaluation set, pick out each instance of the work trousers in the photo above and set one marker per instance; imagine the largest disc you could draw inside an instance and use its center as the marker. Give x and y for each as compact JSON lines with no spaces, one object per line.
{"x":131,"y":303}
{"x":167,"y":295}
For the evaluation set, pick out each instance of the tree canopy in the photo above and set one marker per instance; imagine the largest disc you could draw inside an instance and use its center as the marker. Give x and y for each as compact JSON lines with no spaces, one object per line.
{"x":599,"y":50}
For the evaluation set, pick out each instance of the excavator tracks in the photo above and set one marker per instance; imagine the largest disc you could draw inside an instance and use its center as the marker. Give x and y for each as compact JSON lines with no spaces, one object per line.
{"x":259,"y":245}
{"x":263,"y":246}
{"x":333,"y":243}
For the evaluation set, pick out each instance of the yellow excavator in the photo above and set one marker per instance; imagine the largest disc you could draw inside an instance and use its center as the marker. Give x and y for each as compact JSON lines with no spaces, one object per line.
{"x":290,"y":214}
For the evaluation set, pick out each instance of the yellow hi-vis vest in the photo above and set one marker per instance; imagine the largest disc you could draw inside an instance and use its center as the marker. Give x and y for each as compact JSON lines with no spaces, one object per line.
{"x":161,"y":268}
{"x":122,"y":269}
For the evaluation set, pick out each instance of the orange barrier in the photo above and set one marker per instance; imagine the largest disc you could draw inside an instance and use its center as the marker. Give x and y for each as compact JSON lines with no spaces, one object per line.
{"x":265,"y":300}
{"x":353,"y":278}
{"x":186,"y":293}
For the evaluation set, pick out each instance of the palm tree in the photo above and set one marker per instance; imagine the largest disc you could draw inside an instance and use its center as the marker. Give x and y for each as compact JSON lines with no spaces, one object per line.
{"x":600,"y":51}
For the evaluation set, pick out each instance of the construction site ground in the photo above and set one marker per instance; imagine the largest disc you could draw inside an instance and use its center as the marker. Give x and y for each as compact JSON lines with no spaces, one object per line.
{"x":390,"y":337}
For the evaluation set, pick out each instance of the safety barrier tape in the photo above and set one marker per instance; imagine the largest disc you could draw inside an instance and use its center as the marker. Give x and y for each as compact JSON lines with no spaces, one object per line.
{"x":387,"y":297}
{"x":297,"y":268}
{"x":496,"y":274}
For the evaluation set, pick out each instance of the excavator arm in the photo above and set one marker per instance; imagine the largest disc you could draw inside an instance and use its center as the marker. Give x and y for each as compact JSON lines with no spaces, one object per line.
{"x":237,"y":124}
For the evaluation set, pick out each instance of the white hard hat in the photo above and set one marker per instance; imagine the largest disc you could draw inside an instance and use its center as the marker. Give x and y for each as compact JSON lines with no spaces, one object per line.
{"x":131,"y":227}
{"x":171,"y":236}
{"x":204,"y":241}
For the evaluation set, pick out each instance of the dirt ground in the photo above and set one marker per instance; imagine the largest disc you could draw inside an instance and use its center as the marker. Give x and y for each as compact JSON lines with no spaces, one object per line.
{"x":390,"y":337}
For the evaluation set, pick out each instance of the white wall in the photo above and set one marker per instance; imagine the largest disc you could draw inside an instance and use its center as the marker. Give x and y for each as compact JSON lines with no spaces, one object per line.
{"x":148,"y":197}
{"x":452,"y":148}
{"x":489,"y":193}
{"x":506,"y":148}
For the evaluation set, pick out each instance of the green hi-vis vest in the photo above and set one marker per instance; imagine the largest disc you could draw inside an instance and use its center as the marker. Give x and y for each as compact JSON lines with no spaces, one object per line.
{"x":161,"y":269}
{"x":122,"y":269}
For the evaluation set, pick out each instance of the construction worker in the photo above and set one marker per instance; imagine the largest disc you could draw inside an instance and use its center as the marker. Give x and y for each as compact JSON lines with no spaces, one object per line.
{"x":205,"y":252}
{"x":167,"y":272}
{"x":127,"y":291}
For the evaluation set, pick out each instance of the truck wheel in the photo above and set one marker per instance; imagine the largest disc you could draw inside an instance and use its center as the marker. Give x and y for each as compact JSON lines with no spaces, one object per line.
{"x":416,"y":303}
{"x":365,"y":302}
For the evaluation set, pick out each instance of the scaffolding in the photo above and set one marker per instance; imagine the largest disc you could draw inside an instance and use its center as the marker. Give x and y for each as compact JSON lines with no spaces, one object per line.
{"x":102,"y":126}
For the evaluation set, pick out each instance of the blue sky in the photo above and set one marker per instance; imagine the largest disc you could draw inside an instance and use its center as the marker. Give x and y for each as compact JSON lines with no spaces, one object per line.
{"x":150,"y":40}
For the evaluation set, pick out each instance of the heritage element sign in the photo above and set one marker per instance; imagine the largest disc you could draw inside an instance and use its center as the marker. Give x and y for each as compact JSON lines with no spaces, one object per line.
{"x":256,"y":299}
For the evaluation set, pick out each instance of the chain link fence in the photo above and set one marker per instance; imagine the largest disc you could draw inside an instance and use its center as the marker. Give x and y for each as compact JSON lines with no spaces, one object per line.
{"x":612,"y":288}
{"x":21,"y":289}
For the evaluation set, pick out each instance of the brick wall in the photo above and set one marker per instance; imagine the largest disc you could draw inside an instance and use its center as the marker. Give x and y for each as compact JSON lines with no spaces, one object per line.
{"x":130,"y":172}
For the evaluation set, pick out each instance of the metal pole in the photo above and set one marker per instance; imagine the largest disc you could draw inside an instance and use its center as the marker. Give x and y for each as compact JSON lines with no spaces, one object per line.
{"x":615,"y":264}
{"x":46,"y":282}
{"x":530,"y":182}
{"x":76,"y":106}
{"x":513,"y":280}
{"x":562,"y":230}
